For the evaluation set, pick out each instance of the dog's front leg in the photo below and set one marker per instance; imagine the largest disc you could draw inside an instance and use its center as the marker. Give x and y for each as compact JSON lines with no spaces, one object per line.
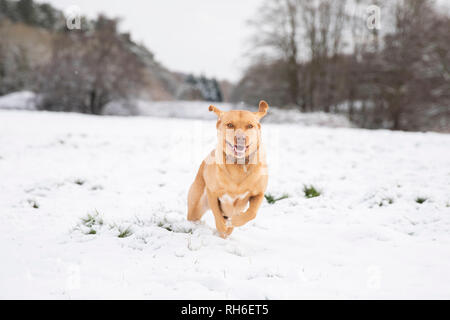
{"x":250,"y":214}
{"x":221,"y":225}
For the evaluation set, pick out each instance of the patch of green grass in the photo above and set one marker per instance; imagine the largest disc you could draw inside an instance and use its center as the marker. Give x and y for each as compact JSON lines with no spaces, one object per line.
{"x":169,"y":227}
{"x":165,"y":226}
{"x":421,"y":200}
{"x":91,"y":222}
{"x":79,"y":182}
{"x":271,"y":199}
{"x":92,"y":219}
{"x":33,"y":204}
{"x":123,"y":233}
{"x":385,"y":201}
{"x":310,"y":192}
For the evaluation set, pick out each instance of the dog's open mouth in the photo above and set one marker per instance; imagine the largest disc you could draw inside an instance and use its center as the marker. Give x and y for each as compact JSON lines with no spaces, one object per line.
{"x":238,"y":149}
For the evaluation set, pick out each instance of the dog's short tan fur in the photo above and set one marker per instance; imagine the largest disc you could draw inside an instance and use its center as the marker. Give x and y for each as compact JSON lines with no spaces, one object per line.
{"x":230,"y":182}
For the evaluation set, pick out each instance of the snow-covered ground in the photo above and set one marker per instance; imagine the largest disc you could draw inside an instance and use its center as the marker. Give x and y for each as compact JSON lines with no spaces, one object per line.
{"x":22,"y":100}
{"x":365,"y":236}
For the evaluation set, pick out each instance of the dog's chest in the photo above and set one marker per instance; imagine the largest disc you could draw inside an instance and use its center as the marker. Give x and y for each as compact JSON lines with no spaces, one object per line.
{"x":227,"y":198}
{"x":232,"y":204}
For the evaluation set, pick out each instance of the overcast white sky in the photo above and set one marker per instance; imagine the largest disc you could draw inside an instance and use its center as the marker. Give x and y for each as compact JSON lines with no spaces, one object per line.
{"x":198,"y":36}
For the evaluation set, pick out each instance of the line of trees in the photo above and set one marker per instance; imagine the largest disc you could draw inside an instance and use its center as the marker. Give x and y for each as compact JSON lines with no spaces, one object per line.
{"x":84,"y":70}
{"x":71,"y":70}
{"x":200,"y":88}
{"x":320,"y":55}
{"x":32,"y":13}
{"x":88,"y":70}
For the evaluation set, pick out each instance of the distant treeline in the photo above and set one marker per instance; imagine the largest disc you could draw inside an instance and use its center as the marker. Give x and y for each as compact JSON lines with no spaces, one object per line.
{"x":200,"y":88}
{"x":34,"y":14}
{"x":84,"y":70}
{"x":321,"y":55}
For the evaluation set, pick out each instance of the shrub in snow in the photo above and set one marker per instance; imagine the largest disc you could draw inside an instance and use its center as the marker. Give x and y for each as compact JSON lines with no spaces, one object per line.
{"x":271,"y":199}
{"x":310,"y":192}
{"x":421,"y":200}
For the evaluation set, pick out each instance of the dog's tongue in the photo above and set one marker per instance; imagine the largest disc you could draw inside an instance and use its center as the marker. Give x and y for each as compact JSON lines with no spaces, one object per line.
{"x":239,"y":147}
{"x":239,"y":150}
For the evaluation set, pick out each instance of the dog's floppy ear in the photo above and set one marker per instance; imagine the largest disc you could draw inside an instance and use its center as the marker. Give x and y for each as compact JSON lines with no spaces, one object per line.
{"x":263,"y":107}
{"x":216,"y":111}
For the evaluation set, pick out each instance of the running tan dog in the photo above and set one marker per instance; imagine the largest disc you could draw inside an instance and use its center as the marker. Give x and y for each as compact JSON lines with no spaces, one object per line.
{"x":231,"y":181}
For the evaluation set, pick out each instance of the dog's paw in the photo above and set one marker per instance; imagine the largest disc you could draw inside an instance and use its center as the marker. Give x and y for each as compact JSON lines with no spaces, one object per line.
{"x":229,"y":223}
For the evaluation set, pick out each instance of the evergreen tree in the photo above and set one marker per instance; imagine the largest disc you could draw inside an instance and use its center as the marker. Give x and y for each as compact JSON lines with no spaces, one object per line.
{"x":218,"y":92}
{"x":27,"y":11}
{"x":49,"y":18}
{"x":2,"y":70}
{"x":190,"y":79}
{"x":8,"y":10}
{"x":4,"y":8}
{"x":203,"y":86}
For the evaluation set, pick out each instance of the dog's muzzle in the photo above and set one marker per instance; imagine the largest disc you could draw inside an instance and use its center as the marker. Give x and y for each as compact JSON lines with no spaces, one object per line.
{"x":239,"y":149}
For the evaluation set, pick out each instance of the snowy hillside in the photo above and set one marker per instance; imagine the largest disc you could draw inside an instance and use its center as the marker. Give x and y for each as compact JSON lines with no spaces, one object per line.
{"x":95,"y":207}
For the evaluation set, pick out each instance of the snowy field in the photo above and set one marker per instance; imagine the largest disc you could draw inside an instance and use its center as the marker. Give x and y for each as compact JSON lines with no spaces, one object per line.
{"x":95,"y":207}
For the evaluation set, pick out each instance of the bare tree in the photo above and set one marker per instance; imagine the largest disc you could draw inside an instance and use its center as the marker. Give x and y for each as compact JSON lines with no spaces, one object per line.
{"x":408,"y":79}
{"x":293,"y":30}
{"x":323,"y":22}
{"x":277,"y":29}
{"x":396,"y":78}
{"x":90,"y":69}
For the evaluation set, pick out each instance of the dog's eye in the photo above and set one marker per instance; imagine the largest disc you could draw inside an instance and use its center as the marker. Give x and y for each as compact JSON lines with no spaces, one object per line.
{"x":230,"y":125}
{"x":250,"y":126}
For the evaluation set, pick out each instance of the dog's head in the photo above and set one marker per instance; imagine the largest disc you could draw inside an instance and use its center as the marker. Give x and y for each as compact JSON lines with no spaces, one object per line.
{"x":238,"y":131}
